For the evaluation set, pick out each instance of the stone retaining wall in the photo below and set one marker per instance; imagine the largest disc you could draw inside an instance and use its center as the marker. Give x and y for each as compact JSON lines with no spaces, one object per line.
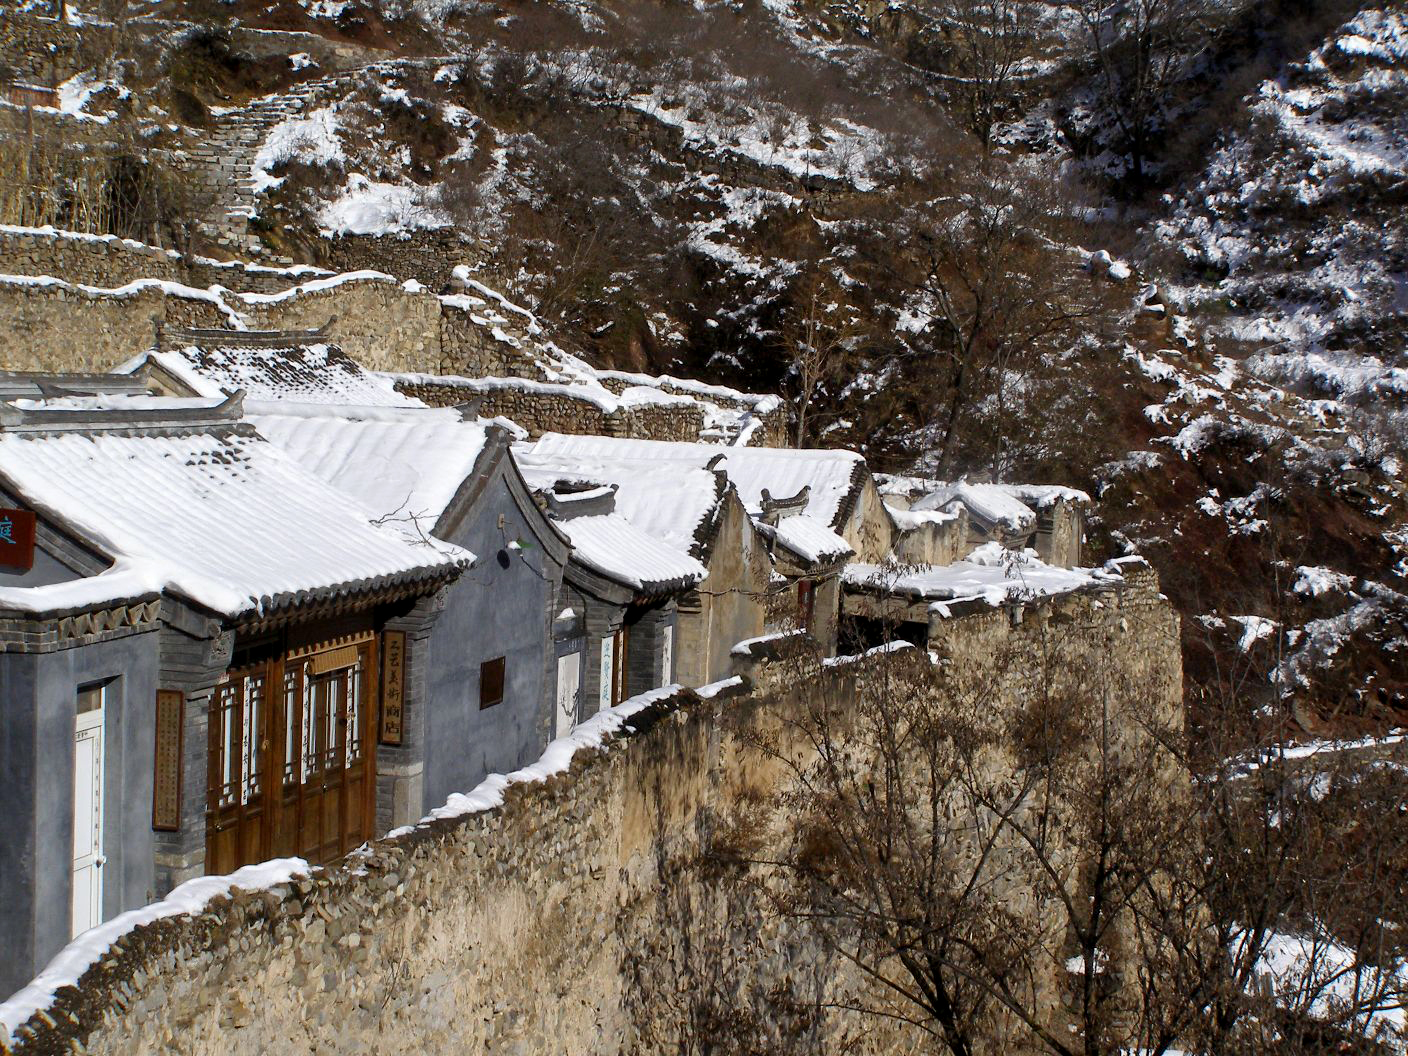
{"x":382,"y":323}
{"x":108,"y":261}
{"x":427,"y":256}
{"x":51,"y":328}
{"x":583,"y":916}
{"x":472,"y":350}
{"x":540,"y":410}
{"x":38,"y":46}
{"x":379,"y":323}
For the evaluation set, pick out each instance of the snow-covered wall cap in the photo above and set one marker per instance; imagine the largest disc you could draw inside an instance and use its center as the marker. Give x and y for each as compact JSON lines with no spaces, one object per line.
{"x":808,"y":539}
{"x":912,"y":520}
{"x":991,"y":574}
{"x":1044,"y":496}
{"x":126,"y":581}
{"x":759,"y":403}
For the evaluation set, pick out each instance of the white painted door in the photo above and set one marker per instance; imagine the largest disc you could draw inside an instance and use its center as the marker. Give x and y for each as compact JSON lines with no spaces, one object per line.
{"x":667,"y":657}
{"x":608,"y":669}
{"x":569,"y":682}
{"x":88,"y":857}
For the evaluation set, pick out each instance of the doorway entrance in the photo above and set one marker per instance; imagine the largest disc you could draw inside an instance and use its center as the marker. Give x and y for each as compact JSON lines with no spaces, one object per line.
{"x":88,"y":858}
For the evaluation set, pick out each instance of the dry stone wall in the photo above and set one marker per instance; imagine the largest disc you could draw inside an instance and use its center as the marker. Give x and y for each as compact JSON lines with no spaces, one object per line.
{"x":84,"y":302}
{"x":583,"y":916}
{"x":59,"y":327}
{"x":40,"y":48}
{"x":559,"y":409}
{"x":107,"y":261}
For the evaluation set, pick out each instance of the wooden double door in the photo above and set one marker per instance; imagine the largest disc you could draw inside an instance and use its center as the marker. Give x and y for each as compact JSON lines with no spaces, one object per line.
{"x":292,"y":756}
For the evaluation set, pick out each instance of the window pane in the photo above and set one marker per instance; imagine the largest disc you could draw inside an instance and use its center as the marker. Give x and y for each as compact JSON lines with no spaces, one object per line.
{"x":292,"y":720}
{"x":491,"y":682}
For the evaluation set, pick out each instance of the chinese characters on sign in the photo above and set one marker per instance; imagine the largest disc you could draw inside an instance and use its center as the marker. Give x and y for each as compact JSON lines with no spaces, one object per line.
{"x":166,"y":789}
{"x":16,"y":540}
{"x":393,"y":685}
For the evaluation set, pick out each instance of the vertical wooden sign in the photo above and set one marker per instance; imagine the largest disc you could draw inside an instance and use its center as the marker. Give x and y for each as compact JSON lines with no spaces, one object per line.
{"x":170,"y":737}
{"x":393,"y":685}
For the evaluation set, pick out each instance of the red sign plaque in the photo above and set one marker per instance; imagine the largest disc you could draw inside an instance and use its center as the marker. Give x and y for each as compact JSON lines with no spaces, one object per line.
{"x":16,"y":540}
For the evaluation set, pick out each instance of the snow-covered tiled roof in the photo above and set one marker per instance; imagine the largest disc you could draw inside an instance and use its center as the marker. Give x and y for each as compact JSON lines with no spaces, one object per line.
{"x":989,"y":504}
{"x":809,"y":539}
{"x":612,"y":545}
{"x":206,"y":509}
{"x":834,"y":477}
{"x":1042,"y":496}
{"x":403,"y":465}
{"x":990,"y":573}
{"x":675,"y":503}
{"x":298,"y":366}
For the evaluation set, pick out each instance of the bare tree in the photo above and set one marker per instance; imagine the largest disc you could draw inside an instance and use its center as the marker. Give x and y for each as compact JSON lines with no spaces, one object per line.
{"x":1139,"y":48}
{"x":974,"y":842}
{"x":1014,"y":848}
{"x":982,"y":40}
{"x":991,"y":286}
{"x":819,"y":330}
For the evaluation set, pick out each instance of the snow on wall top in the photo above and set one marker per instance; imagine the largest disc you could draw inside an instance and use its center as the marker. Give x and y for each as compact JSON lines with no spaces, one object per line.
{"x":833,"y":476}
{"x":222,"y":518}
{"x":990,"y":573}
{"x":673,"y":503}
{"x":299,"y":371}
{"x":1043,"y":496}
{"x":404,"y":465}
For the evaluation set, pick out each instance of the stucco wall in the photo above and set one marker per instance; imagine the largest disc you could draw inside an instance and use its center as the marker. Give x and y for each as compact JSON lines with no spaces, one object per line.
{"x":869,"y":528}
{"x":731,"y":602}
{"x":500,"y":607}
{"x":577,"y":918}
{"x":40,"y":692}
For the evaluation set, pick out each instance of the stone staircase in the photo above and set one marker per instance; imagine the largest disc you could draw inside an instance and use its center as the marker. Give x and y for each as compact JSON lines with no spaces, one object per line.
{"x":222,"y":165}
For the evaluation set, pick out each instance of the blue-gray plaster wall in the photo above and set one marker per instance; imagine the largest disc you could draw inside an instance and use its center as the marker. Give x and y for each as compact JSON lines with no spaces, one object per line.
{"x":500,"y":607}
{"x":38,"y":692}
{"x":46,"y":571}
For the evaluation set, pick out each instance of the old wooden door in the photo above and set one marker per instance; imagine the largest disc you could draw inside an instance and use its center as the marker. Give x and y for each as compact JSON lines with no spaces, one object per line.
{"x":328,"y":799}
{"x":237,"y":823}
{"x":296,"y":775}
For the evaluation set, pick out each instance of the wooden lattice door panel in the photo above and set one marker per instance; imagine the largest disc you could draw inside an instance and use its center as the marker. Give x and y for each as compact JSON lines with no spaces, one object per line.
{"x":237,"y":829}
{"x":316,"y":736}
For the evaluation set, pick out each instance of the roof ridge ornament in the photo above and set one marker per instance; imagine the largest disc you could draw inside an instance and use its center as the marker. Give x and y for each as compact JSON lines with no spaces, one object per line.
{"x":774,"y":509}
